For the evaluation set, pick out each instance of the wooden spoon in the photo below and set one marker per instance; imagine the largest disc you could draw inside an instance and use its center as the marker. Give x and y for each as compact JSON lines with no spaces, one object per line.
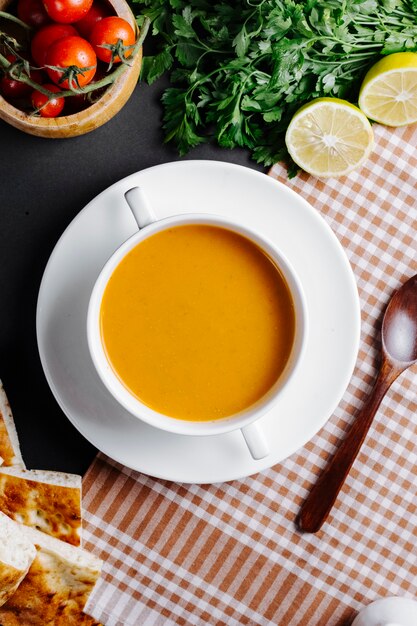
{"x":399,"y":351}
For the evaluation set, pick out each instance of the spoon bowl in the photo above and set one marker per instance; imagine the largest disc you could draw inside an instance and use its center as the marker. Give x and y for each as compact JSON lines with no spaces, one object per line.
{"x":399,"y":326}
{"x":399,"y":351}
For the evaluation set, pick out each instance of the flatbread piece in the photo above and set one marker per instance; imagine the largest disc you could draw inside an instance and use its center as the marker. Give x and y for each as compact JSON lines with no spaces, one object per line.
{"x":48,"y":501}
{"x":56,"y":587}
{"x":17,"y":553}
{"x":9,"y":442}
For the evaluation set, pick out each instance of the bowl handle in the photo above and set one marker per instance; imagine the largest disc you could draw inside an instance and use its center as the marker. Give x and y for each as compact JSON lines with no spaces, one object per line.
{"x":255,"y":440}
{"x":140,"y":206}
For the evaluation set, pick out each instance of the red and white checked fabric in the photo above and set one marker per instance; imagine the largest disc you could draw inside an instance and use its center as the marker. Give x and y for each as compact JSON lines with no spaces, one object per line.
{"x":230,"y":554}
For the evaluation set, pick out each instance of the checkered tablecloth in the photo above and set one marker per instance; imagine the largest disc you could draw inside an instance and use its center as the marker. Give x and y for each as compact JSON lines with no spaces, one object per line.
{"x":229,"y":554}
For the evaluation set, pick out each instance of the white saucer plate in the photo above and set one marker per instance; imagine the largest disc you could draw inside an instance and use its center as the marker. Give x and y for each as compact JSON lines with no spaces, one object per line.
{"x":264,"y":205}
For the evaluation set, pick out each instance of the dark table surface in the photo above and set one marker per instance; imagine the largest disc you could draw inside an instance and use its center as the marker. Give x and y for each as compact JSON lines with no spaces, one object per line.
{"x":44,"y":184}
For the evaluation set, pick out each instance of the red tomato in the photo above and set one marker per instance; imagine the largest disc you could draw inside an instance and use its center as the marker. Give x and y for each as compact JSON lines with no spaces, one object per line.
{"x":48,"y":108}
{"x":71,"y":52}
{"x":86,"y":24}
{"x":45,"y":37}
{"x":115,"y":32}
{"x":32,"y":12}
{"x":67,"y":11}
{"x":11,"y":88}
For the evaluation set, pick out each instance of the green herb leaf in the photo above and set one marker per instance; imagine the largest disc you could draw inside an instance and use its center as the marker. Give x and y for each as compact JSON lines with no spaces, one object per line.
{"x":154,"y":66}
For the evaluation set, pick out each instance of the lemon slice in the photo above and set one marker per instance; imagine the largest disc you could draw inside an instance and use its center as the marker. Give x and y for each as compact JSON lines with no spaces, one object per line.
{"x":389,"y":90}
{"x":329,"y":137}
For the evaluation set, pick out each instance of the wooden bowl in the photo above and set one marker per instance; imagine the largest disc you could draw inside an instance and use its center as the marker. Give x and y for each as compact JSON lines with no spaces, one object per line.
{"x":90,"y":118}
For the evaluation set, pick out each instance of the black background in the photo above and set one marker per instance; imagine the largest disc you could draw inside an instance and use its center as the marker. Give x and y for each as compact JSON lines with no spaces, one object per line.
{"x":44,"y":184}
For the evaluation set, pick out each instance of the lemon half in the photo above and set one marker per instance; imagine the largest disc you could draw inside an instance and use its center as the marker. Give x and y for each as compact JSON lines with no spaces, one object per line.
{"x":329,"y":137}
{"x":389,"y":90}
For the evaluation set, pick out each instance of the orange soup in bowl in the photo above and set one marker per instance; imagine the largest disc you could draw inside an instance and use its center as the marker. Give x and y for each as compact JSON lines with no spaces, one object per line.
{"x":197,"y":322}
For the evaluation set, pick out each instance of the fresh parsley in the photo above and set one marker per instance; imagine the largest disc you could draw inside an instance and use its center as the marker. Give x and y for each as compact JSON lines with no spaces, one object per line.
{"x":239,"y":70}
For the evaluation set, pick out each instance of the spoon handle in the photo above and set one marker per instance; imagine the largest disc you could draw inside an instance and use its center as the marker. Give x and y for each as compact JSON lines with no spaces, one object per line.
{"x":324,"y":493}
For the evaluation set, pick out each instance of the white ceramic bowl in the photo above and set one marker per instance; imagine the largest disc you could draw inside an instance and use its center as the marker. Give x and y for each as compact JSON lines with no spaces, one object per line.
{"x":148,"y":225}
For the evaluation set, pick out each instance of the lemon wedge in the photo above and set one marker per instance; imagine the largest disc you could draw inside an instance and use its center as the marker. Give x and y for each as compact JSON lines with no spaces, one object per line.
{"x":329,"y":137}
{"x":389,"y":90}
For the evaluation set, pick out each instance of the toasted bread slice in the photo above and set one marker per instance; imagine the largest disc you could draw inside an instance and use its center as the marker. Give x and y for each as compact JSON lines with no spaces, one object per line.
{"x":57,"y":586}
{"x":9,"y":442}
{"x":17,"y":553}
{"x":45,"y":500}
